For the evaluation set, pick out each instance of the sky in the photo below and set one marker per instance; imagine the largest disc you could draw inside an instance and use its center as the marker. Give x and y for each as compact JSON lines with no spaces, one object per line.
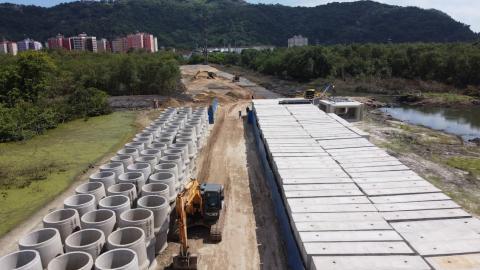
{"x":465,"y":11}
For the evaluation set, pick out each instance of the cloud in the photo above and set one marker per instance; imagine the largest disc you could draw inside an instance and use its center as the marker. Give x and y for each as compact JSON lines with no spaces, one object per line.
{"x":465,"y":11}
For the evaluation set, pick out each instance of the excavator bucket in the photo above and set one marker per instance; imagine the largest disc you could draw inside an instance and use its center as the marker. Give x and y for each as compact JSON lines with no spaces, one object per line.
{"x":188,"y":261}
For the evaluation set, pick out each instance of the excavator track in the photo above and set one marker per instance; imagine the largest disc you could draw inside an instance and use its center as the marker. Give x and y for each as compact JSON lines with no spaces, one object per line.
{"x":216,"y":229}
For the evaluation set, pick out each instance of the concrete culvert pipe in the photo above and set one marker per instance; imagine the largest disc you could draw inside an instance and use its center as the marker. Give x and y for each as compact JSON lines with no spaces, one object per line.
{"x":142,"y":167}
{"x":176,"y":151}
{"x":125,"y":159}
{"x":83,"y":203}
{"x":160,"y":189}
{"x":158,"y":146}
{"x":127,"y":189}
{"x":97,"y":189}
{"x":77,"y":260}
{"x":152,"y":160}
{"x":152,"y":152}
{"x":66,"y":221}
{"x":137,"y":145}
{"x":116,"y":167}
{"x":177,"y":159}
{"x":146,"y":141}
{"x":46,"y":241}
{"x":87,"y":240}
{"x":192,"y":149}
{"x":116,"y":203}
{"x":158,"y":205}
{"x":169,"y":167}
{"x":148,"y":135}
{"x":108,"y":178}
{"x":136,"y":178}
{"x":102,"y":219}
{"x":140,"y":218}
{"x":129,"y":151}
{"x":166,"y":178}
{"x":132,"y":238}
{"x":118,"y":259}
{"x":21,"y":260}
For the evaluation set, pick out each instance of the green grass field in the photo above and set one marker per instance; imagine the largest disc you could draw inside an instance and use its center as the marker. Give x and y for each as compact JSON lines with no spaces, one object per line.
{"x":33,"y":172}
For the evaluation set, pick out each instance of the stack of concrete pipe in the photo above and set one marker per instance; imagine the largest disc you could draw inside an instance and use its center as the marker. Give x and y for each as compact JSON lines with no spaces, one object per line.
{"x":120,"y":218}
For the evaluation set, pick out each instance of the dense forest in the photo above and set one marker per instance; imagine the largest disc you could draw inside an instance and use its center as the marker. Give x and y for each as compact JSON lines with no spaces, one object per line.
{"x":455,"y":64}
{"x":39,"y":90}
{"x":182,"y":23}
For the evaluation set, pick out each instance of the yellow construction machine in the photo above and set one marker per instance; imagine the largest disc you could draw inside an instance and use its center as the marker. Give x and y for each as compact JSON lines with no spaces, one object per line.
{"x":198,"y":205}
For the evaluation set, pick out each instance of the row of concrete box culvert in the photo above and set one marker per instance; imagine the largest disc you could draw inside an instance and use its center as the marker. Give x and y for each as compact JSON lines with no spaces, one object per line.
{"x":120,"y":218}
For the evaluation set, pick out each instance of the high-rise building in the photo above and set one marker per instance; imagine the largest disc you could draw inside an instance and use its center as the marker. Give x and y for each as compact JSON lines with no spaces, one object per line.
{"x":119,"y":45}
{"x":155,"y":44}
{"x":91,"y":44}
{"x":59,"y":42}
{"x":12,"y":48}
{"x":135,"y":41}
{"x":297,"y":41}
{"x":148,"y":42}
{"x":83,"y":42}
{"x":29,"y":44}
{"x":102,"y":45}
{"x":3,"y":47}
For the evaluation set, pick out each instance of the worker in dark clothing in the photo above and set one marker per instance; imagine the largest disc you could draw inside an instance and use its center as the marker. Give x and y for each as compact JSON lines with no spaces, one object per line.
{"x":239,"y":114}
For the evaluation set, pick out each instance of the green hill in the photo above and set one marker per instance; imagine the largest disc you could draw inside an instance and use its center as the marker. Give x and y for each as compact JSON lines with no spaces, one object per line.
{"x":180,"y":23}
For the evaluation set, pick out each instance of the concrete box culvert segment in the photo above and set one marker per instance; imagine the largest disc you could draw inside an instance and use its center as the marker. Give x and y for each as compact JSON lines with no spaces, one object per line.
{"x":91,"y":241}
{"x":160,"y":189}
{"x":166,"y":178}
{"x":102,"y":219}
{"x":118,"y":259}
{"x":159,"y":206}
{"x":132,"y":238}
{"x":129,"y":151}
{"x":66,"y":221}
{"x":116,"y":167}
{"x":83,"y":203}
{"x":140,"y":218}
{"x":137,"y":145}
{"x":116,"y":203}
{"x":45,"y":241}
{"x":125,"y":159}
{"x":135,"y":177}
{"x":21,"y":260}
{"x":97,"y":189}
{"x":77,"y":260}
{"x":142,"y":167}
{"x":108,"y":178}
{"x":126,"y":189}
{"x":152,"y":160}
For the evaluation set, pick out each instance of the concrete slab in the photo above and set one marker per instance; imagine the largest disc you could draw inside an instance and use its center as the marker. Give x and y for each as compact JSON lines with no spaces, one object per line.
{"x":331,"y":208}
{"x":294,"y":181}
{"x":400,"y":191}
{"x":350,"y":236}
{"x":312,"y":173}
{"x":369,"y":263}
{"x":315,"y":226}
{"x":357,"y":248}
{"x":424,"y":215}
{"x":312,"y":187}
{"x":339,"y":217}
{"x":387,"y":168}
{"x":323,"y":193}
{"x":455,"y":262}
{"x":397,"y":178}
{"x":360,"y":164}
{"x":330,"y":200}
{"x":397,"y":184}
{"x":410,"y":198}
{"x":383,"y":174}
{"x":409,"y":206}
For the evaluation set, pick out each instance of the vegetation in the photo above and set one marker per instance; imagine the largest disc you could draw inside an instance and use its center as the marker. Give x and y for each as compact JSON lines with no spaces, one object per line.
{"x":456,"y":64}
{"x":36,"y":171}
{"x":181,"y":23}
{"x":39,"y":90}
{"x":469,"y":164}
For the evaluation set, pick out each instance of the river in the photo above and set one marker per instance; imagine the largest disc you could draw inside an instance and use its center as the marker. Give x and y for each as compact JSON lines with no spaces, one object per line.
{"x":464,"y":122}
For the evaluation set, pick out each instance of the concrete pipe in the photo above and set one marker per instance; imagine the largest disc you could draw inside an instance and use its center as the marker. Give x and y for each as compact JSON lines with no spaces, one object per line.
{"x":136,"y":178}
{"x":132,"y":238}
{"x":153,"y":129}
{"x":152,"y":152}
{"x":137,"y":145}
{"x":21,"y":260}
{"x":165,"y":140}
{"x":192,"y":149}
{"x":108,"y":178}
{"x":140,"y":218}
{"x":97,"y":189}
{"x":118,"y":259}
{"x":83,"y":203}
{"x":125,"y":159}
{"x":158,"y":146}
{"x":90,"y":241}
{"x":46,"y":241}
{"x":161,"y":237}
{"x":160,"y":189}
{"x":166,"y":178}
{"x":66,"y":221}
{"x":152,"y":160}
{"x":116,"y":167}
{"x":126,"y":189}
{"x":129,"y":151}
{"x":182,"y":146}
{"x":102,"y":219}
{"x":116,"y":203}
{"x":176,"y":151}
{"x":177,"y":159}
{"x":160,"y":207}
{"x":146,"y":141}
{"x":77,"y":260}
{"x":168,"y":167}
{"x":144,"y":168}
{"x":145,"y":135}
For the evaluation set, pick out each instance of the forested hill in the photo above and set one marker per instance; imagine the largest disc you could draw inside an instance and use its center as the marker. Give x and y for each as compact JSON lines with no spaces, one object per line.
{"x":180,"y":22}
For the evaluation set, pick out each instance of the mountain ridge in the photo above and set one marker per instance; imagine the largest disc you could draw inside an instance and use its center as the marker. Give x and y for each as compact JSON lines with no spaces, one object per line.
{"x":179,"y":23}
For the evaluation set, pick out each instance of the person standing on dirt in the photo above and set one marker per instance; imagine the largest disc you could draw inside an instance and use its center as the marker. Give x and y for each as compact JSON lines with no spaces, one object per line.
{"x":239,"y":114}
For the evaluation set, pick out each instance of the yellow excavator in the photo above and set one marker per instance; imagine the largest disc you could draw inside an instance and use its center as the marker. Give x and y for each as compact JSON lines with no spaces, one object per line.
{"x":198,"y":205}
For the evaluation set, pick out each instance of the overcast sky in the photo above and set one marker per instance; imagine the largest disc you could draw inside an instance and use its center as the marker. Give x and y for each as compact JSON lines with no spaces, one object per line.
{"x":466,"y":11}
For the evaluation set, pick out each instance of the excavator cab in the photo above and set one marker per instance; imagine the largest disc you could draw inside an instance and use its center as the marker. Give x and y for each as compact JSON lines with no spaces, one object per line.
{"x":212,"y":196}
